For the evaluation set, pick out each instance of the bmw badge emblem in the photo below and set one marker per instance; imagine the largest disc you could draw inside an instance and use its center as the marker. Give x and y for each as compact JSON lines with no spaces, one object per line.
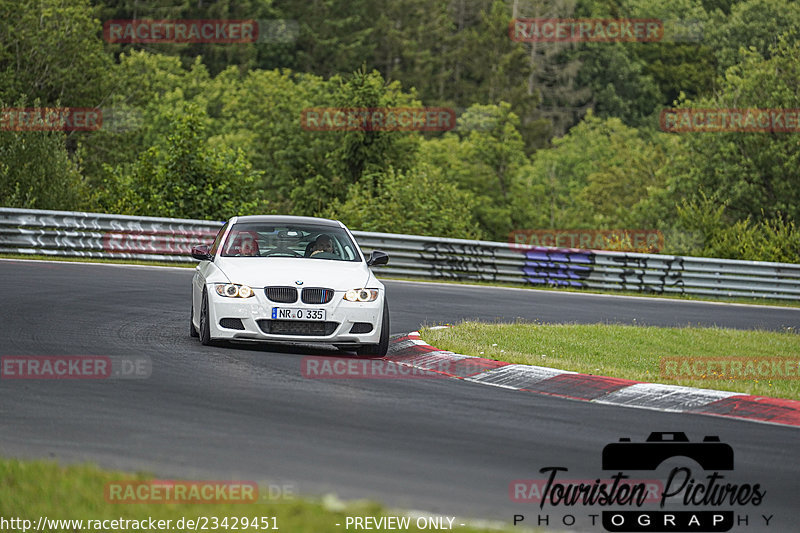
{"x":298,"y":282}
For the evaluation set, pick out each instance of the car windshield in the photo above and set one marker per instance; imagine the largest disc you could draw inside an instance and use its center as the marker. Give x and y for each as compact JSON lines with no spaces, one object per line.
{"x":306,"y":241}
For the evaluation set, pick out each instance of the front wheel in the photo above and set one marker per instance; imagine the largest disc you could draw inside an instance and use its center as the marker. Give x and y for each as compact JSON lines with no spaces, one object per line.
{"x":380,"y":349}
{"x":192,"y":329}
{"x":205,"y":327}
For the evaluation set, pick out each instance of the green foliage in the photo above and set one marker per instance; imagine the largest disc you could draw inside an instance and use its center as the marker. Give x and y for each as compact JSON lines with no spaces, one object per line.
{"x":754,"y":175}
{"x":561,"y":135}
{"x":768,"y":239}
{"x":51,"y":50}
{"x":483,"y":157}
{"x":149,"y":87}
{"x":36,"y":171}
{"x":356,"y":156}
{"x":416,"y":202}
{"x":359,"y":152}
{"x":216,"y":56}
{"x":755,"y":25}
{"x":260,"y":113}
{"x":185,"y":178}
{"x":683,"y":61}
{"x":620,"y":85}
{"x":597,"y":176}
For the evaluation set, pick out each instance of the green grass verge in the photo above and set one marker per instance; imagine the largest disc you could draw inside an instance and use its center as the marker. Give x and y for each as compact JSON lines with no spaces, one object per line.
{"x":631,"y":352}
{"x":33,"y":489}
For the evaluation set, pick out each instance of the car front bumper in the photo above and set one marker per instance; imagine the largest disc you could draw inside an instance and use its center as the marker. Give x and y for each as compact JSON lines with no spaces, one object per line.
{"x":255,"y":314}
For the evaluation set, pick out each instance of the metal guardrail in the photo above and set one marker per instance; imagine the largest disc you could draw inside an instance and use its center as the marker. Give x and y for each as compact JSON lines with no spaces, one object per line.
{"x":62,"y":233}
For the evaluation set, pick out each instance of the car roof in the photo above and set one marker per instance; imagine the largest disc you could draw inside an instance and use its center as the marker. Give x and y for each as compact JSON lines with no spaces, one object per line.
{"x":287,"y":219}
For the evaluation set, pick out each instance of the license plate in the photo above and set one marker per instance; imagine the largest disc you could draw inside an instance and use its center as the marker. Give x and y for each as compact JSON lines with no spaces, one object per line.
{"x":292,"y":313}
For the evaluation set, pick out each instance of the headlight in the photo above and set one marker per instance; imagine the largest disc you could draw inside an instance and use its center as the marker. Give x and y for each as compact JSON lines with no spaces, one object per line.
{"x":232,"y":290}
{"x":361,"y":295}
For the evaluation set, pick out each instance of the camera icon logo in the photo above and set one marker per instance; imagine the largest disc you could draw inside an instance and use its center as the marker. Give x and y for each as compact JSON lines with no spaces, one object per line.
{"x":711,"y":454}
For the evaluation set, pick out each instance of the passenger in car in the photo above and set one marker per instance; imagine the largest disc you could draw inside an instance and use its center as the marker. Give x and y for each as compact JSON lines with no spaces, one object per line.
{"x":322,"y":244}
{"x":249,"y":246}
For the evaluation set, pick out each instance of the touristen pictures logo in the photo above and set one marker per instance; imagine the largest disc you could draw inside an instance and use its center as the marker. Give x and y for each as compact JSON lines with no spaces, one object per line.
{"x":677,"y":497}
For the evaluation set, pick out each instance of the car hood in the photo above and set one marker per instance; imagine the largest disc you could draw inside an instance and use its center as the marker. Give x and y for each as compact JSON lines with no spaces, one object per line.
{"x":258,"y":272}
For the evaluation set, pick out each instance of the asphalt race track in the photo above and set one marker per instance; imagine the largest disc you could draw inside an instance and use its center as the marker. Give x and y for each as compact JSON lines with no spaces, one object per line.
{"x":245,"y":412}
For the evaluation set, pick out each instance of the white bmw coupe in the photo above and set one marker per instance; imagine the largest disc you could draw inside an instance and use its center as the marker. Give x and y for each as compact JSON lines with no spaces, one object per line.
{"x":286,"y":278}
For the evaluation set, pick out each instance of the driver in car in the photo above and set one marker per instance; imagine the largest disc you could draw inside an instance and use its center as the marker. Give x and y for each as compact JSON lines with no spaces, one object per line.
{"x":248,"y":247}
{"x":322,"y":244}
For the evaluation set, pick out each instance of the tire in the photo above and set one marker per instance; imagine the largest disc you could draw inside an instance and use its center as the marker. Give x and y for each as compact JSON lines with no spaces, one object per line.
{"x":380,"y":349}
{"x":205,"y":328}
{"x":192,"y":329}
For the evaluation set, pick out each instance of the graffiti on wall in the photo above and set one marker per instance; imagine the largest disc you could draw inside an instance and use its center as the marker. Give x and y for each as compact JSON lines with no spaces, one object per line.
{"x":563,"y":268}
{"x":460,"y":261}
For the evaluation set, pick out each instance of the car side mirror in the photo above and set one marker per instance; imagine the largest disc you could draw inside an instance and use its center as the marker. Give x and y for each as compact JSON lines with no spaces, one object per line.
{"x":378,"y":258}
{"x":201,"y":252}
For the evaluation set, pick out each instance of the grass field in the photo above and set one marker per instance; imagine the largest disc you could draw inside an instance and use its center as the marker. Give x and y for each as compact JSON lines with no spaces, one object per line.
{"x":32,"y":490}
{"x":636,"y":352}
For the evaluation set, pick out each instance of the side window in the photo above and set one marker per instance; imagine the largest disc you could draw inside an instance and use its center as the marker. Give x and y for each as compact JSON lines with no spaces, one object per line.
{"x":218,"y":238}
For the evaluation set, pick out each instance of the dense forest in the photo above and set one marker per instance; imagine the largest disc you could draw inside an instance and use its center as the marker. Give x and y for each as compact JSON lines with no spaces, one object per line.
{"x":548,"y":134}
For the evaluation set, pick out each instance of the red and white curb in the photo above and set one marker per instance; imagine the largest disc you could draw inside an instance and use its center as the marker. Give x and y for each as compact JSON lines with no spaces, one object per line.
{"x":411,"y":350}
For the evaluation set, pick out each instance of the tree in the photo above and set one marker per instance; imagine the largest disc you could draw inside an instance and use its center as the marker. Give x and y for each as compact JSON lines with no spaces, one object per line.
{"x":186,"y":178}
{"x":746,"y":171}
{"x":683,"y":60}
{"x":51,"y":50}
{"x":333,"y":37}
{"x":148,"y":87}
{"x":620,"y":87}
{"x":768,"y":239}
{"x":752,"y":25}
{"x":483,"y":157}
{"x":597,"y":175}
{"x":269,"y":47}
{"x":36,"y":171}
{"x":358,"y":155}
{"x":419,"y":201}
{"x":259,"y":112}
